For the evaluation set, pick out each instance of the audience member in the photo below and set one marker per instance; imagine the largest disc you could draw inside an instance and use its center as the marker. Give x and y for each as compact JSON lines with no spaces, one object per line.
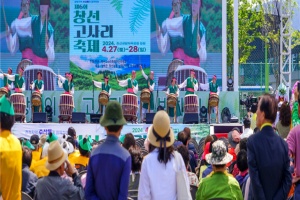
{"x":110,"y":164}
{"x":241,"y":146}
{"x":253,"y":110}
{"x":183,"y":137}
{"x":159,"y":167}
{"x":242,"y":165}
{"x":203,"y":163}
{"x":193,"y":179}
{"x":29,"y":179}
{"x":209,"y":168}
{"x":293,"y":141}
{"x":128,"y":141}
{"x":191,"y":146}
{"x":136,"y":165}
{"x":53,"y":185}
{"x":10,"y":154}
{"x":219,"y":184}
{"x":234,"y":137}
{"x":267,"y":153}
{"x":72,"y":134}
{"x":247,"y":131}
{"x":285,"y":119}
{"x":256,"y":130}
{"x":37,"y":152}
{"x":81,"y":157}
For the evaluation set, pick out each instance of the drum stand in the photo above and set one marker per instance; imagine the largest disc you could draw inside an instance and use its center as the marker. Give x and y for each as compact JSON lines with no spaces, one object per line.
{"x":209,"y":114}
{"x":141,"y":110}
{"x":175,"y":117}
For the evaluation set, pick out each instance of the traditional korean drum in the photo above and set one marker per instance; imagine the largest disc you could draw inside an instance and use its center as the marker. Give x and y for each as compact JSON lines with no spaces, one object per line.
{"x":213,"y":100}
{"x":66,"y":105}
{"x":145,"y":95}
{"x":191,"y":104}
{"x":103,"y":98}
{"x":129,"y":106}
{"x":18,"y":101}
{"x":36,"y":99}
{"x":171,"y":100}
{"x":3,"y":91}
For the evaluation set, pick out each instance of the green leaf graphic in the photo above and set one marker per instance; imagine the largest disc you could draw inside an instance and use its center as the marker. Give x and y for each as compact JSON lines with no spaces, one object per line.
{"x":117,"y":4}
{"x":139,"y":12}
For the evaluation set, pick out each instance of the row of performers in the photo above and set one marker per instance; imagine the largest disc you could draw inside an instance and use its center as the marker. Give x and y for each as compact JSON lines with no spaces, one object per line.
{"x":18,"y":82}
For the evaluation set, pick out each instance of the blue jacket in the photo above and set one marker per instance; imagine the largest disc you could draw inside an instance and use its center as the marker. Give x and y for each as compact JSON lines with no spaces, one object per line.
{"x":108,"y":171}
{"x":268,"y":163}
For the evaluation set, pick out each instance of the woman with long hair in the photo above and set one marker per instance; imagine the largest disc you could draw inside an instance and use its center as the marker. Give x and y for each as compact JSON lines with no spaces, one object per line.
{"x":285,"y":118}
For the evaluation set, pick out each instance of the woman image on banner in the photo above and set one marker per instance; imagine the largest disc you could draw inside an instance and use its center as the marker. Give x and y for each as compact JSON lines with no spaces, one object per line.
{"x":104,"y":86}
{"x":190,"y":83}
{"x":8,"y":84}
{"x":130,"y":83}
{"x":173,"y":89}
{"x":38,"y":86}
{"x":150,"y":86}
{"x":42,"y":39}
{"x":19,"y":34}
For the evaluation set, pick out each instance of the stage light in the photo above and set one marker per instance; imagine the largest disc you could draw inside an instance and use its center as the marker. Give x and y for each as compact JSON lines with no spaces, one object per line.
{"x":160,"y":108}
{"x":203,"y":114}
{"x":49,"y":112}
{"x":230,"y":84}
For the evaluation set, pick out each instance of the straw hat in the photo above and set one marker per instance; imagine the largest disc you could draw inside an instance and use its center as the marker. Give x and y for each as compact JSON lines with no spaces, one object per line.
{"x":56,"y":156}
{"x":218,"y":155}
{"x":161,"y":132}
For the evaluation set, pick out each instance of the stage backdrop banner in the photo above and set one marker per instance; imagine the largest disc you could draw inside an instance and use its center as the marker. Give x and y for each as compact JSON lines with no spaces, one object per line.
{"x":109,"y":38}
{"x":97,"y":132}
{"x":87,"y":101}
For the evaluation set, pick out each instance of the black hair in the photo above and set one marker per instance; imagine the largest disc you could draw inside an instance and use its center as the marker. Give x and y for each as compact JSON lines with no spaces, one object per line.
{"x":268,"y":105}
{"x":182,"y":137}
{"x":71,"y":131}
{"x":253,"y":108}
{"x":26,"y":156}
{"x":136,"y":158}
{"x":7,"y":121}
{"x":214,"y":137}
{"x":219,"y":166}
{"x":128,"y":141}
{"x":256,"y":130}
{"x":285,"y":115}
{"x":184,"y":153}
{"x":241,"y":160}
{"x":161,"y":155}
{"x":243,"y":144}
{"x":114,"y":128}
{"x":247,"y":123}
{"x":187,"y":131}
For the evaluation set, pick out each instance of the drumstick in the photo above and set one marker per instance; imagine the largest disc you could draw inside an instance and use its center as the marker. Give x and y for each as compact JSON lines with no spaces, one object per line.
{"x":116,"y":76}
{"x":4,"y":15}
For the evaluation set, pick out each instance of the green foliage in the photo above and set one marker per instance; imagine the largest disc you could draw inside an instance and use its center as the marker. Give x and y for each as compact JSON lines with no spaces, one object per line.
{"x":83,"y":78}
{"x":59,"y":18}
{"x":139,"y":12}
{"x":117,"y":4}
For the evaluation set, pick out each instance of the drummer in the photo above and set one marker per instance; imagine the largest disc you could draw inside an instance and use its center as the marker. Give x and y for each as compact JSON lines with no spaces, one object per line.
{"x":18,"y":80}
{"x":7,"y":83}
{"x":130,"y":83}
{"x":105,"y":87}
{"x":66,"y":83}
{"x":38,"y":86}
{"x":190,"y":83}
{"x":173,"y":89}
{"x":213,"y":86}
{"x":150,"y":86}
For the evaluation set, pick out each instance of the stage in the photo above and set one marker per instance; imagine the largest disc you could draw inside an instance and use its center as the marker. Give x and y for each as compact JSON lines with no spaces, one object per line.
{"x":97,"y":132}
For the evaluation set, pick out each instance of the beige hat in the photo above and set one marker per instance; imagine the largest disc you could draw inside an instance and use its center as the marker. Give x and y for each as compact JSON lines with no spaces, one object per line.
{"x":160,"y":132}
{"x":56,"y":156}
{"x":43,"y":139}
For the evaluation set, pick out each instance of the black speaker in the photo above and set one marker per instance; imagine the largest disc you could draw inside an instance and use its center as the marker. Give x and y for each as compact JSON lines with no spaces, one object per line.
{"x":191,"y":118}
{"x":40,"y":117}
{"x":149,"y":118}
{"x":78,"y":117}
{"x":95,"y":118}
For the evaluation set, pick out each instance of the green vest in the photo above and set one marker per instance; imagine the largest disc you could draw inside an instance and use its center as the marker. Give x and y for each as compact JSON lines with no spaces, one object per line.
{"x":189,"y":83}
{"x":134,"y":83}
{"x":173,"y":89}
{"x":105,"y":88}
{"x":6,"y":82}
{"x":176,"y":42}
{"x":38,"y":46}
{"x":19,"y":81}
{"x":190,"y":39}
{"x":68,"y":87}
{"x":24,"y":43}
{"x":213,"y":87}
{"x":38,"y":84}
{"x":151,"y":82}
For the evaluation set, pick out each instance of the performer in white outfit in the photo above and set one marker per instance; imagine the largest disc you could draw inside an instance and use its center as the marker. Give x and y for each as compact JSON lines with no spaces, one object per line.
{"x":105,"y":87}
{"x":130,"y":83}
{"x":66,"y":83}
{"x":150,"y":86}
{"x":190,"y":83}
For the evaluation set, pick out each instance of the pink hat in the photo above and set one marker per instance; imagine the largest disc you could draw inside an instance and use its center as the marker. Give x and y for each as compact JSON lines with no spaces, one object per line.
{"x":192,"y":71}
{"x":133,"y":72}
{"x":152,"y":72}
{"x":174,"y":78}
{"x":214,"y":77}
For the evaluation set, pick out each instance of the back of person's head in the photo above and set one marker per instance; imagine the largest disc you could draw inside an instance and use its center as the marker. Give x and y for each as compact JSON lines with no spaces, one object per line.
{"x":136,"y":158}
{"x":243,"y":144}
{"x":268,"y":105}
{"x":72,"y":141}
{"x":241,"y":161}
{"x":256,"y":130}
{"x":208,"y":138}
{"x":72,"y":132}
{"x":7,"y":115}
{"x":215,"y":138}
{"x":184,"y":153}
{"x":247,"y":123}
{"x":128,"y":141}
{"x":285,"y":115}
{"x":253,"y":108}
{"x":26,"y":156}
{"x":85,"y":146}
{"x":182,"y":137}
{"x":187,"y":131}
